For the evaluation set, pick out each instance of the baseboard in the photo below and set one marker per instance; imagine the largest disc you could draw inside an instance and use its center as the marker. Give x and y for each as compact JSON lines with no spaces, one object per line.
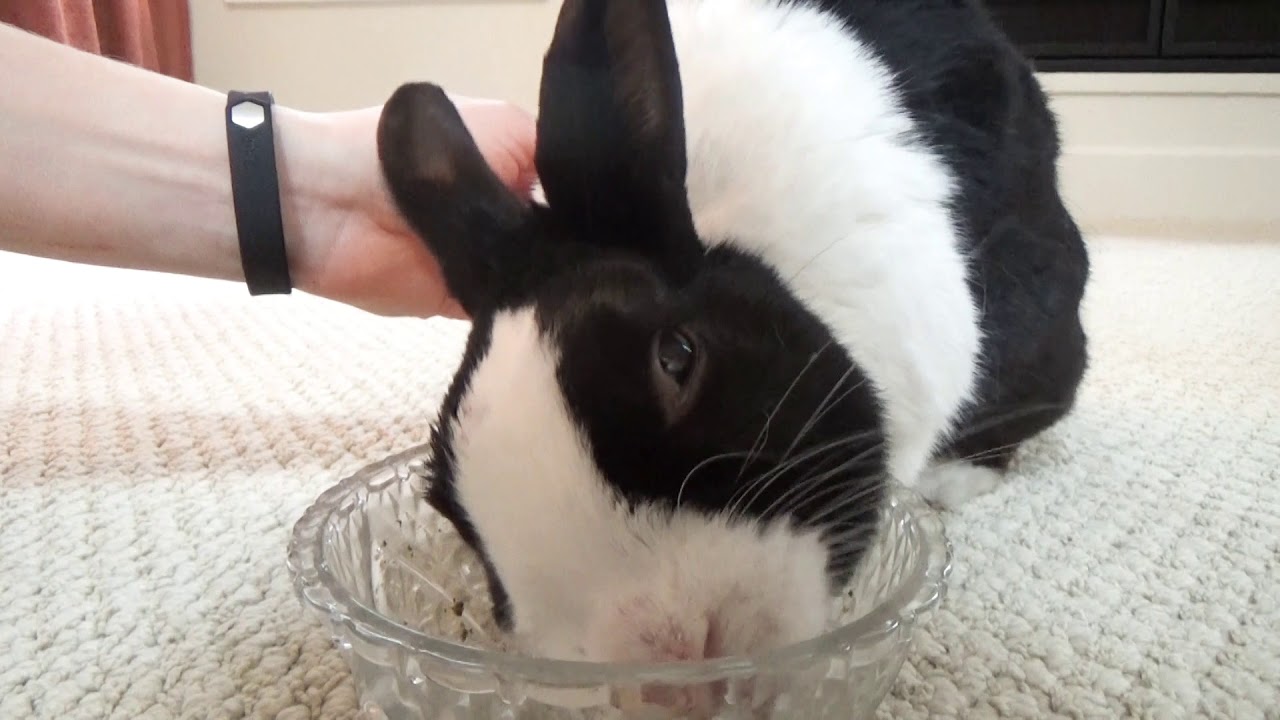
{"x":1177,"y":192}
{"x":1178,"y":155}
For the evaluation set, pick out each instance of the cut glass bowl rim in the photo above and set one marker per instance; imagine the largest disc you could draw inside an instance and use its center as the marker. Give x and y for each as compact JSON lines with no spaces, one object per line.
{"x":318,"y":588}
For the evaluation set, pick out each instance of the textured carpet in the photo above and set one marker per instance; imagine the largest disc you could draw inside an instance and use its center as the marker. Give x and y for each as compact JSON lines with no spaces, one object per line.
{"x":161,"y":435}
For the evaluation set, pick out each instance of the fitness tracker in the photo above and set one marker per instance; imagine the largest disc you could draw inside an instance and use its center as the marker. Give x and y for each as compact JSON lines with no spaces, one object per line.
{"x":255,"y":190}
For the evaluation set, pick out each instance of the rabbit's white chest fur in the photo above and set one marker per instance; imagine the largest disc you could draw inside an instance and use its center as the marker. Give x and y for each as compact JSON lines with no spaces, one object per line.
{"x":798,"y":150}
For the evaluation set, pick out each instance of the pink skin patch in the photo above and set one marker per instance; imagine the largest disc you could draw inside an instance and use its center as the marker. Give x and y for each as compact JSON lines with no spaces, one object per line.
{"x":642,"y":632}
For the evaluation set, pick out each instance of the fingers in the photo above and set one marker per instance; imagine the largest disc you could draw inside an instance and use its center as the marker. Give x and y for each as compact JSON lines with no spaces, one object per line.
{"x":507,"y":137}
{"x":452,"y":310}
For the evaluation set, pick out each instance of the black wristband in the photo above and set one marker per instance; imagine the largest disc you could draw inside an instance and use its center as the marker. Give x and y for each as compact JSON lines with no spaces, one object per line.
{"x":255,"y":191}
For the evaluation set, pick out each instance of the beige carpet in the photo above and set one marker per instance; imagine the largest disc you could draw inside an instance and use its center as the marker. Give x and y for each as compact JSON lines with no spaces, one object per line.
{"x":159,"y":437}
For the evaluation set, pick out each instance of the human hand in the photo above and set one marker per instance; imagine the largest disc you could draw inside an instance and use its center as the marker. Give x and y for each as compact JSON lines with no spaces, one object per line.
{"x":350,"y":243}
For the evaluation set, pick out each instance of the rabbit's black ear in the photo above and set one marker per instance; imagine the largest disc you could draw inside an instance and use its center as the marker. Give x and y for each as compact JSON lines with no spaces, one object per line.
{"x":611,"y":139}
{"x":475,"y":226}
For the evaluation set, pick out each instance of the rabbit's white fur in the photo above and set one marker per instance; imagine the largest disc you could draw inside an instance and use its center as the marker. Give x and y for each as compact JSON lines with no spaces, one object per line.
{"x":799,"y":151}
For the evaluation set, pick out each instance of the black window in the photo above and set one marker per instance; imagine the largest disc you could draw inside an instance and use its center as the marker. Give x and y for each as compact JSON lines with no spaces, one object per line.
{"x":1145,"y":35}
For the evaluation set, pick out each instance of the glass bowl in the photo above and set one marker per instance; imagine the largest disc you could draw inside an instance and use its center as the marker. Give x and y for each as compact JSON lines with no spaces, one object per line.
{"x":405,"y":601}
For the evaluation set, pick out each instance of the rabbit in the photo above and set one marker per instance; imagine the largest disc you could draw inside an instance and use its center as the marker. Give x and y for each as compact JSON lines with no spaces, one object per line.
{"x":784,"y":253}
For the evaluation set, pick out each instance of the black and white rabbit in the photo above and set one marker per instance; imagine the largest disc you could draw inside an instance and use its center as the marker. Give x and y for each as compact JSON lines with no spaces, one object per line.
{"x":787,"y":250}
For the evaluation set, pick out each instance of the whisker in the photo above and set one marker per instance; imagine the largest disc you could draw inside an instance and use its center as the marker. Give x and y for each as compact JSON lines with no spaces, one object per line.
{"x":800,"y":489}
{"x":760,"y":484}
{"x":977,"y":456}
{"x":822,"y":408}
{"x":990,"y":421}
{"x":782,"y":468}
{"x":866,"y":533}
{"x":803,"y":485}
{"x":834,"y":497}
{"x":699,"y":466}
{"x":843,"y":502}
{"x":800,"y":492}
{"x":763,"y":436}
{"x":842,"y":556}
{"x":814,"y":259}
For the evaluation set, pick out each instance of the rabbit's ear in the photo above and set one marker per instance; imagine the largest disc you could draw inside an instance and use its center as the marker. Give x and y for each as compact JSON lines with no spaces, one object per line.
{"x":611,"y":138}
{"x":479,"y":230}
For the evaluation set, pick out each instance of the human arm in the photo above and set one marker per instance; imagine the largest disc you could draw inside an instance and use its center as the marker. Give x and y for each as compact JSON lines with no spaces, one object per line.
{"x":105,"y":163}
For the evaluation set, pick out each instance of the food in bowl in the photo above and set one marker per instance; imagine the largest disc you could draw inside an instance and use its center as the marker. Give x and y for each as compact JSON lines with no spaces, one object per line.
{"x":407,"y":602}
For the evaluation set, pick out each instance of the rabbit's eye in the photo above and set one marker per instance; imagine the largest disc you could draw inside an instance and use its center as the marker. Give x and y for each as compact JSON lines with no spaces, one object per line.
{"x":677,"y":370}
{"x":676,"y":355}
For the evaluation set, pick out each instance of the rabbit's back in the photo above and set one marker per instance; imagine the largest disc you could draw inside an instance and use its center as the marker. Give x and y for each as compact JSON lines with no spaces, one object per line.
{"x":871,"y":150}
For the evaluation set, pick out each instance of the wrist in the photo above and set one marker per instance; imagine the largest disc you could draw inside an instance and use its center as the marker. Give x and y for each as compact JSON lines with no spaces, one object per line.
{"x":336,"y":206}
{"x":311,"y":190}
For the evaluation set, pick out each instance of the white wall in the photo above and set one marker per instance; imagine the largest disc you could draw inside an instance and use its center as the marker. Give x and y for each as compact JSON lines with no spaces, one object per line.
{"x":1172,"y":154}
{"x":1145,"y":153}
{"x":335,"y":54}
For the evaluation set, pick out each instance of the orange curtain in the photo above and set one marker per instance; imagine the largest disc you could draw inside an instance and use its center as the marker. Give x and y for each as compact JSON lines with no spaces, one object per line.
{"x":154,"y":34}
